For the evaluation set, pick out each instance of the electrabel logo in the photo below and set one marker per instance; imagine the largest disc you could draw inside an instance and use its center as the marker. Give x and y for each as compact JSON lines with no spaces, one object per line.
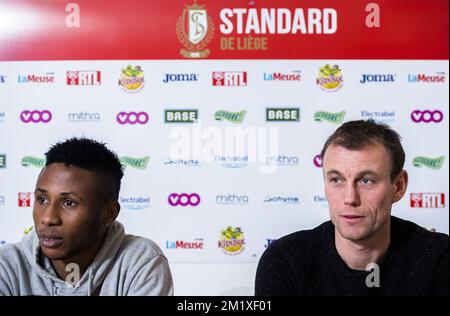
{"x":84,"y":117}
{"x":182,"y":162}
{"x":24,"y":199}
{"x":278,"y":76}
{"x":233,"y":117}
{"x":431,"y":163}
{"x":196,"y":244}
{"x":30,"y":161}
{"x":283,"y":160}
{"x":427,"y":200}
{"x":386,"y":117}
{"x":439,"y":77}
{"x":232,"y":161}
{"x":136,"y":163}
{"x":2,"y":161}
{"x":132,"y":78}
{"x":231,"y":240}
{"x":283,"y":114}
{"x":36,"y":116}
{"x":180,"y":77}
{"x":229,"y":78}
{"x":180,"y":116}
{"x":282,"y":199}
{"x":370,"y":78}
{"x":330,"y":78}
{"x":232,"y":199}
{"x":184,"y":199}
{"x":427,"y":116}
{"x":134,"y":203}
{"x":321,"y":201}
{"x":44,"y":79}
{"x":132,"y":118}
{"x":2,"y":79}
{"x":317,"y":160}
{"x":83,"y":78}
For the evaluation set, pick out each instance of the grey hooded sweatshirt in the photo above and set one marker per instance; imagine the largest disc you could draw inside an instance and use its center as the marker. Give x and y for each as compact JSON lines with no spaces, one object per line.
{"x":124,"y":265}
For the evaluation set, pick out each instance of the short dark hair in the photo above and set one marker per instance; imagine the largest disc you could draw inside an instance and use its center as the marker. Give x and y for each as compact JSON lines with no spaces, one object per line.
{"x":92,"y":156}
{"x":361,"y":133}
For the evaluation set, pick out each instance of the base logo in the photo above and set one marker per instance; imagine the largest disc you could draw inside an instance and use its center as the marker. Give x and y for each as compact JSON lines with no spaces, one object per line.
{"x":427,"y":200}
{"x":232,"y":241}
{"x":330,"y":78}
{"x":195,"y":29}
{"x":283,"y":114}
{"x":180,"y":116}
{"x":132,"y":78}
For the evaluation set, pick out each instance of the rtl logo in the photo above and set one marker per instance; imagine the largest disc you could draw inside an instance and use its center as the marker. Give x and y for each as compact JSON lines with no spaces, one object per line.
{"x":24,"y":199}
{"x":83,"y":78}
{"x":229,"y":78}
{"x":427,"y":200}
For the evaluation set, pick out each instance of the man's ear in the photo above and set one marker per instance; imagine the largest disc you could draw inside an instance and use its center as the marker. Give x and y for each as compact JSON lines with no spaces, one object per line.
{"x":110,"y":212}
{"x":400,"y":186}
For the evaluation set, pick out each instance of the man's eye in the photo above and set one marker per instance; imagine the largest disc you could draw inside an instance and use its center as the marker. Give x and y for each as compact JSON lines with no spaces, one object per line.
{"x":335,"y":180}
{"x":366,"y":181}
{"x":41,"y":199}
{"x":69,"y":203}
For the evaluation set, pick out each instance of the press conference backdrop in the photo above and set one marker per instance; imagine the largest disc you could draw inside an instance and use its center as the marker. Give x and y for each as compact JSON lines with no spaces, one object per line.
{"x":218,"y":110}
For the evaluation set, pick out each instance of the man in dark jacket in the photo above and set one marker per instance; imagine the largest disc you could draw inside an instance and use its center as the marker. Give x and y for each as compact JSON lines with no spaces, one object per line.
{"x":363,"y":250}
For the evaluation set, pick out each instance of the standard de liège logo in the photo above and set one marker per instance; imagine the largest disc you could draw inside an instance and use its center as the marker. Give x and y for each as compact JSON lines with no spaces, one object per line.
{"x":195,"y":29}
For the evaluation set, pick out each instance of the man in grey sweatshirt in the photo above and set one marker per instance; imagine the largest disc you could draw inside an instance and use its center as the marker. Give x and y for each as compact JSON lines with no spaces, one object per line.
{"x":77,"y":247}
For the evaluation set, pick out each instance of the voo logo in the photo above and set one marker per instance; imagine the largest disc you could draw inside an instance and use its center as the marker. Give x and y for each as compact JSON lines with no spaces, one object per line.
{"x":35,"y":116}
{"x":184,"y":199}
{"x":132,"y":118}
{"x":427,"y":116}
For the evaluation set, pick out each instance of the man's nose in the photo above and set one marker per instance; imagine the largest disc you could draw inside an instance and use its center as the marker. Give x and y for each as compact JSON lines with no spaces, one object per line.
{"x":50,"y":215}
{"x":351,"y":195}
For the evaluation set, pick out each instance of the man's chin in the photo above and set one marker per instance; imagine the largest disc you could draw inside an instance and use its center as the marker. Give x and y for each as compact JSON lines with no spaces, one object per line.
{"x":54,"y":254}
{"x":354,"y":233}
